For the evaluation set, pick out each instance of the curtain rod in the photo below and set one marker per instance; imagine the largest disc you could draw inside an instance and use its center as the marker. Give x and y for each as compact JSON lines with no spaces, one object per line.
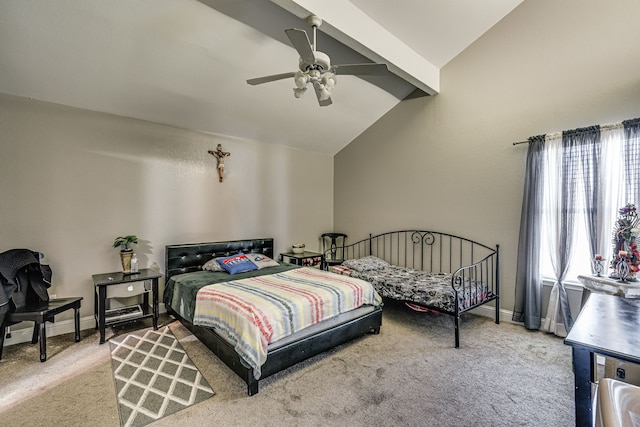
{"x":608,"y":125}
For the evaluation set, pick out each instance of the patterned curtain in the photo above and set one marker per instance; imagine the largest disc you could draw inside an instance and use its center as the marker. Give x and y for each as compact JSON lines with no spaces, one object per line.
{"x":528,"y":294}
{"x":575,"y":156}
{"x":589,"y":155}
{"x":612,"y":188}
{"x":632,"y":159}
{"x":584,"y":173}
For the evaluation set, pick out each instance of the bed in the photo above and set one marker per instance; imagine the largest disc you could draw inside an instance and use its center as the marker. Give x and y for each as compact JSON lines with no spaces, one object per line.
{"x":188,"y":287}
{"x":427,"y":270}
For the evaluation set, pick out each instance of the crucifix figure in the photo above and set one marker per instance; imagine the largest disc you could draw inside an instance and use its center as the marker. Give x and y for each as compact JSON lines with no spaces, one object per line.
{"x":220,"y":155}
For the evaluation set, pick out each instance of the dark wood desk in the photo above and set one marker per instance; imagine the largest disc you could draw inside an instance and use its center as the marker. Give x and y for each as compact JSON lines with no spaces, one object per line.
{"x":102,"y":281}
{"x":607,"y":325}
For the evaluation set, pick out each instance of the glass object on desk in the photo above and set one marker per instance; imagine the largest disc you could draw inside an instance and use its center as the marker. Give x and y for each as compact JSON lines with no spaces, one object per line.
{"x":625,"y":265}
{"x":622,"y":269}
{"x":134,"y":264}
{"x":598,"y":265}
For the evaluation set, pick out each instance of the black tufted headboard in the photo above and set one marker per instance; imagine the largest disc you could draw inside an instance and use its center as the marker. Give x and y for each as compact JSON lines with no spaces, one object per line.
{"x":190,"y":257}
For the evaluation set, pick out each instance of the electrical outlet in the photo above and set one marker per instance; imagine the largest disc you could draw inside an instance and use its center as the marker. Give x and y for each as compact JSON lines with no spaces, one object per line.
{"x":52,"y":296}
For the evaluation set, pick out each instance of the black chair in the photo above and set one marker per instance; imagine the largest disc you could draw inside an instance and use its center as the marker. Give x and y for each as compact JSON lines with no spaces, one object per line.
{"x":23,"y":288}
{"x":332,"y":249}
{"x":40,"y":313}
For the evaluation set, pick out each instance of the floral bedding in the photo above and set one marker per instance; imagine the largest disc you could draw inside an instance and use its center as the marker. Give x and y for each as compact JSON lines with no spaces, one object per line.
{"x":432,"y":290}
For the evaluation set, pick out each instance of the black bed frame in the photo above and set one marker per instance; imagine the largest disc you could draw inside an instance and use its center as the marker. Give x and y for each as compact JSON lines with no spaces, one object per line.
{"x":432,"y":251}
{"x":186,"y":258}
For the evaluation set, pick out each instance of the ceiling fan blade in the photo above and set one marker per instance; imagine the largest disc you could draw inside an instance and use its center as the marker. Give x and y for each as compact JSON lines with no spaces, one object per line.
{"x":300,"y":41}
{"x":267,"y":79}
{"x":322,"y":102}
{"x":361,"y":69}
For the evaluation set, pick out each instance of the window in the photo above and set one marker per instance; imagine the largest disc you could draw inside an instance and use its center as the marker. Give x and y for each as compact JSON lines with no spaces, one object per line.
{"x":604,"y":166}
{"x":575,"y":183}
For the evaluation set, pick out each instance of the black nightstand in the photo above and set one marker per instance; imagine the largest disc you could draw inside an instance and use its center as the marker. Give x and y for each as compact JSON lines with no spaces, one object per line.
{"x":305,"y":259}
{"x":123,"y":284}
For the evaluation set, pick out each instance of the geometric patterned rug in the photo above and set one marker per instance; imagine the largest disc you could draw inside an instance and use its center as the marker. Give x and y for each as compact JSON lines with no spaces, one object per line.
{"x":154,"y":377}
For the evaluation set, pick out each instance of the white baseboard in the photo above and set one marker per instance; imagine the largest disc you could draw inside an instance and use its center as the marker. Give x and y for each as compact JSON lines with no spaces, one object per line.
{"x":490,"y":311}
{"x":56,"y":328}
{"x":67,"y":326}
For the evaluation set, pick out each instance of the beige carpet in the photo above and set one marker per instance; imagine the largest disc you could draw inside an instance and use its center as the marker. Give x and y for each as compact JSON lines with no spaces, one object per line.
{"x":409,"y":375}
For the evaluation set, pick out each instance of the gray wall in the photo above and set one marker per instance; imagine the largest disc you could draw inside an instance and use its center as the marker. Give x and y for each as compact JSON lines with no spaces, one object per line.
{"x":447,"y":162}
{"x":72,"y":180}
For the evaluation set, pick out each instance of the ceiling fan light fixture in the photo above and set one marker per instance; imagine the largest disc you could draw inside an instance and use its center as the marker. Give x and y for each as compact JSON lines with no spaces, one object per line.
{"x":314,"y":75}
{"x":315,"y":66}
{"x":329,"y":79}
{"x":324,"y":92}
{"x":298,"y":92}
{"x":301,"y":79}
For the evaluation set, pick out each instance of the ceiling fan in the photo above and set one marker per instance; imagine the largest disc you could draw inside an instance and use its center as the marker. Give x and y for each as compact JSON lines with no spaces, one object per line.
{"x":315,"y":66}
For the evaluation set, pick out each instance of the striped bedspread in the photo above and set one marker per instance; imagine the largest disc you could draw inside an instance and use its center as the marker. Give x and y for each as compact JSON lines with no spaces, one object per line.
{"x":256,"y":311}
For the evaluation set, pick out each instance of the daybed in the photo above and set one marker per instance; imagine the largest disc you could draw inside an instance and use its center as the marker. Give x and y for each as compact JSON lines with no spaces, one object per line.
{"x":186,"y":282}
{"x":427,"y":270}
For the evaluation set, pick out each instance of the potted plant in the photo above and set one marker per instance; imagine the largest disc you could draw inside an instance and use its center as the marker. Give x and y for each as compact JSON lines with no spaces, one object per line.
{"x":126,"y":252}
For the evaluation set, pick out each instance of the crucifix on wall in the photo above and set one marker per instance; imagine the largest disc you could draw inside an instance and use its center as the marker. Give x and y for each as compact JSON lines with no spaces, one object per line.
{"x":220,"y":155}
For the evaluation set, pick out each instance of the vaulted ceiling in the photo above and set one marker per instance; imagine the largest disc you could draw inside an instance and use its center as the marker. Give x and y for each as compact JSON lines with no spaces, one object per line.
{"x":185,"y":62}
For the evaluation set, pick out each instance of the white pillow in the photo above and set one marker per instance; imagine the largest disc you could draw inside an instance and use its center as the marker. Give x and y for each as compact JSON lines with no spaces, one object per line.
{"x":213,"y":265}
{"x":262,"y":261}
{"x":367,"y":263}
